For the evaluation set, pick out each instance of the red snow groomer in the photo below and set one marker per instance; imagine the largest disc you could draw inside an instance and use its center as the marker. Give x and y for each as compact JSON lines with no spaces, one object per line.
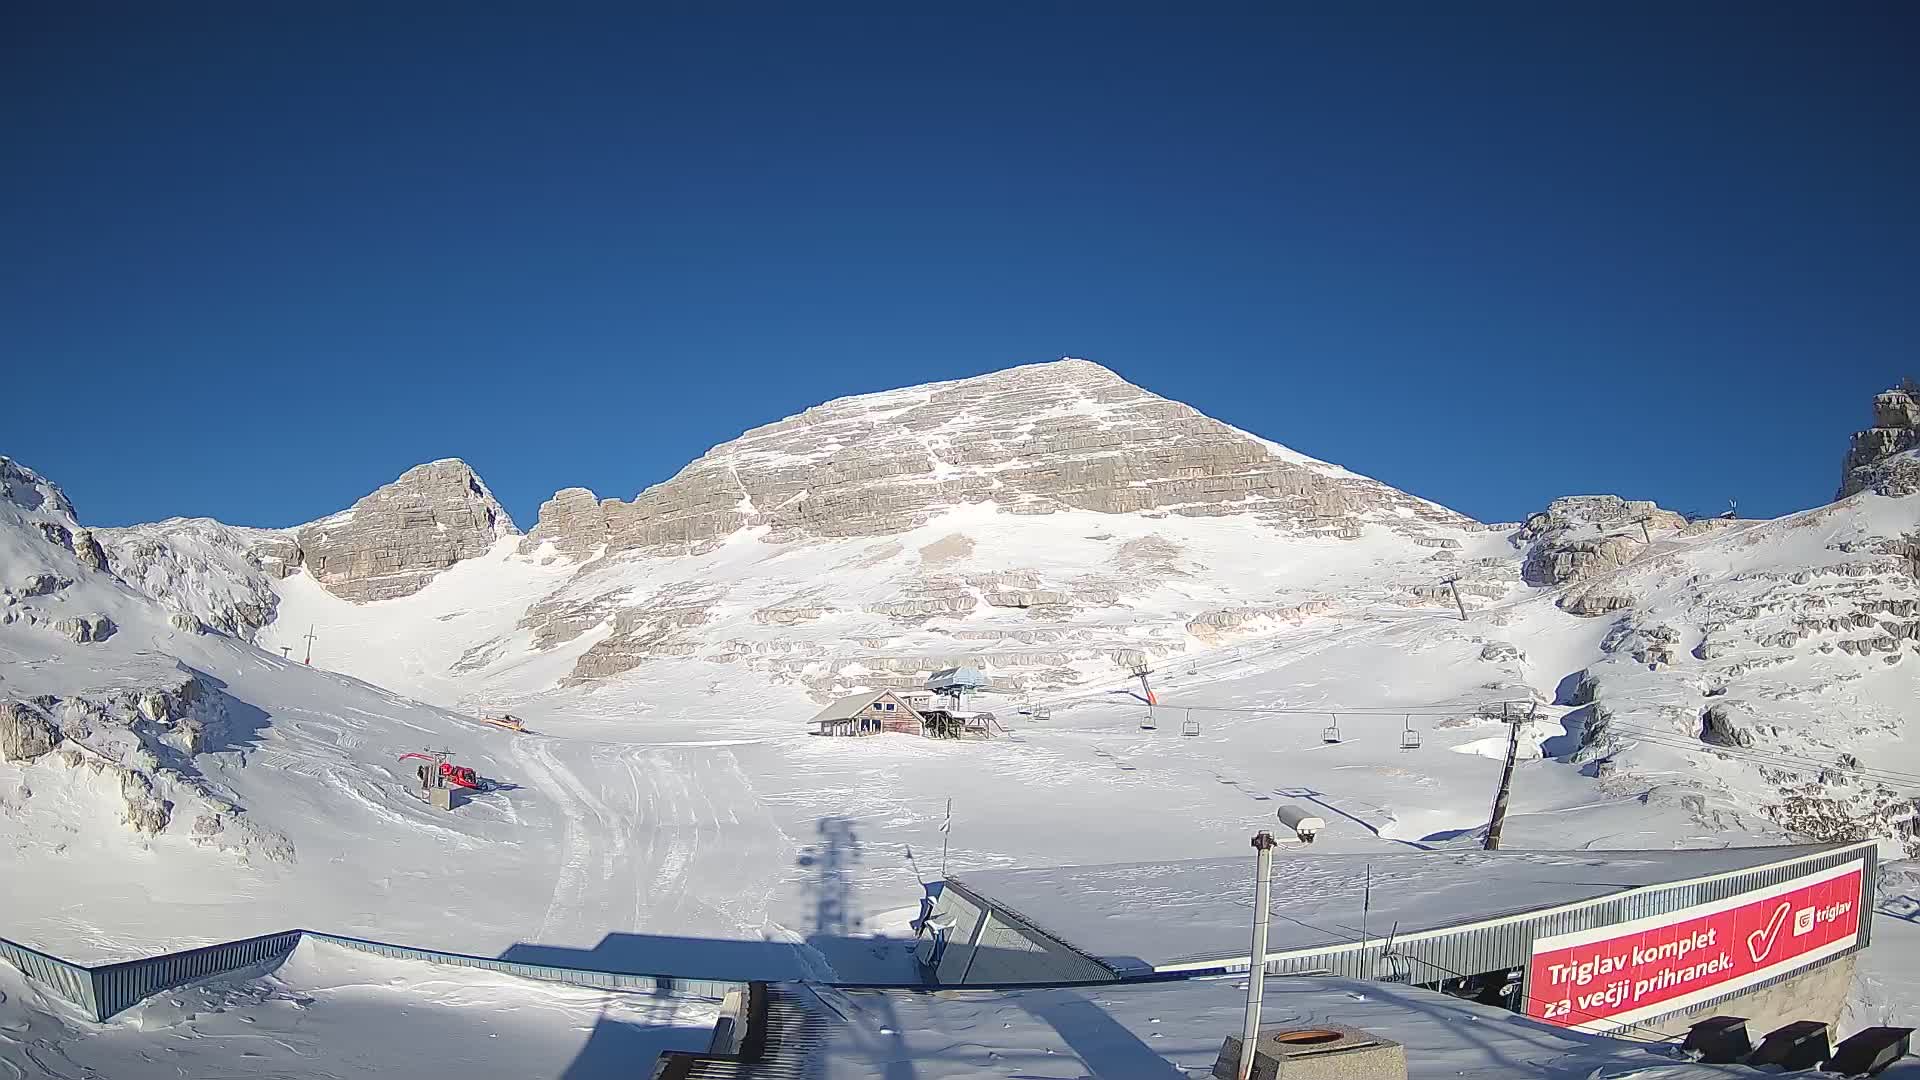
{"x":446,"y":773}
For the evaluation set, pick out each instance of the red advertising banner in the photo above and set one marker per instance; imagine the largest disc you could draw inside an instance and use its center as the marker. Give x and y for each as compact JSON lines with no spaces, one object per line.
{"x":1611,"y":976}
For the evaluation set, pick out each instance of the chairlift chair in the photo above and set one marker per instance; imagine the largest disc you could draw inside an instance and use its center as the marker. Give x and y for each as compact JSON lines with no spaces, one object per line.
{"x":1148,"y":723}
{"x":1191,"y":728}
{"x":1332,"y":734}
{"x":1409,"y":738}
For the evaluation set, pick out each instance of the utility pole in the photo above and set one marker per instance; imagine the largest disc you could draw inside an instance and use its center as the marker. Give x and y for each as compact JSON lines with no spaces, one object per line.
{"x":1506,"y":774}
{"x":946,"y":834}
{"x":1141,"y":671}
{"x":1454,"y":584}
{"x":1263,"y":845}
{"x":309,"y":660}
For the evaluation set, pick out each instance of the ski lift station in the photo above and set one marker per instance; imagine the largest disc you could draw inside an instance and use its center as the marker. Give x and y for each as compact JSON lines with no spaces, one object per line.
{"x":1596,"y":941}
{"x":880,"y":712}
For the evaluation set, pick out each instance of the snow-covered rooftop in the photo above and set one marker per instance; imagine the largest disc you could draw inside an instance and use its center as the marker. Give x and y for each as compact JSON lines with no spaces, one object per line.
{"x":1174,"y":1030}
{"x":1142,"y":916}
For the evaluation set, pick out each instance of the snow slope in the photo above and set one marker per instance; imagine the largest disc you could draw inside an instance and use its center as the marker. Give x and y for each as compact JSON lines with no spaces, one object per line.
{"x":207,"y":789}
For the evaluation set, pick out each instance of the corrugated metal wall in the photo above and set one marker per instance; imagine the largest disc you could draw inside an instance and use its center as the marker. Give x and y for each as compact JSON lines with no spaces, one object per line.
{"x":126,"y":984}
{"x":1435,"y":956}
{"x":1007,"y":952}
{"x":70,"y":981}
{"x":110,"y":989}
{"x":672,"y":985}
{"x":968,"y":919}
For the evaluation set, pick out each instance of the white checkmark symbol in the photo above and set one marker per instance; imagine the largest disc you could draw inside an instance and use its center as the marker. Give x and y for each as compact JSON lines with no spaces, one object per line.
{"x":1760,"y":942}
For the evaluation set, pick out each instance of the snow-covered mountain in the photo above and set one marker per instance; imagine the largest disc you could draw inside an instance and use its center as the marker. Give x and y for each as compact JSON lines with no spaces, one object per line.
{"x":1050,"y":522}
{"x":192,"y":786}
{"x":1692,"y":681}
{"x":1056,"y":526}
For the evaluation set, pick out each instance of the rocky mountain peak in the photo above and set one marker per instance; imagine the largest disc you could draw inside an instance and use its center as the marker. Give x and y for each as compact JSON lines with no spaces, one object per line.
{"x":394,"y":541}
{"x":1035,"y":439}
{"x":30,"y":491}
{"x":1880,"y":458}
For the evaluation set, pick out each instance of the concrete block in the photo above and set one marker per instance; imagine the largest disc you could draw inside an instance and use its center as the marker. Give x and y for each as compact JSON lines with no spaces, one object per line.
{"x":440,"y":797}
{"x":1325,"y":1052}
{"x":1227,"y":1065}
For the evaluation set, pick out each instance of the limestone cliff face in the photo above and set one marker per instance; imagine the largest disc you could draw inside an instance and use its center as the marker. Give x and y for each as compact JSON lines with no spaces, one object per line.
{"x":1579,"y":536}
{"x":1032,"y":440}
{"x":1880,"y":457}
{"x":394,"y":541}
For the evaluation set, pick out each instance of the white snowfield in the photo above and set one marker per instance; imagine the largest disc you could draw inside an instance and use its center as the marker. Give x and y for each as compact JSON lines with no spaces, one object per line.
{"x":676,"y":817}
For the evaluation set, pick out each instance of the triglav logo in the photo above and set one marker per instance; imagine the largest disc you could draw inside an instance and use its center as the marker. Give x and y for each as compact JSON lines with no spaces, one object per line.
{"x":1760,"y":942}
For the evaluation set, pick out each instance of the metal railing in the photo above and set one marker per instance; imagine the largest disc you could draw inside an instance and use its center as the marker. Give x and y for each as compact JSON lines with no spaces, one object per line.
{"x":595,"y":978}
{"x":121,"y":986}
{"x":106,"y":990}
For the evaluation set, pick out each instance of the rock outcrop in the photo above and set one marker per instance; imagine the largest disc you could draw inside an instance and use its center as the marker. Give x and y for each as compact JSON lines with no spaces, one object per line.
{"x":1032,"y":440}
{"x":25,"y":733}
{"x":574,"y":521}
{"x":1580,"y":536}
{"x":219,"y":575}
{"x":86,"y":629}
{"x":88,"y":551}
{"x":396,"y":540}
{"x":1880,"y":458}
{"x":1225,"y":624}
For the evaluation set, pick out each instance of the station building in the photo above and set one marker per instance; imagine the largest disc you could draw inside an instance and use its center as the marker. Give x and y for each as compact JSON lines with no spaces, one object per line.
{"x":1589,"y":940}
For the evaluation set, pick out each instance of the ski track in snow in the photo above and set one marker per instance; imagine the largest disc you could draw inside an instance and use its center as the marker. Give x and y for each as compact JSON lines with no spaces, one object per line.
{"x":635,"y":822}
{"x":569,"y":882}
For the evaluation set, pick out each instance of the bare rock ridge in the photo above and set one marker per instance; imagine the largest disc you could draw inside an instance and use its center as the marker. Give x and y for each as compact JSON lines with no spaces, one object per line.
{"x":1032,"y":440}
{"x":389,"y":544}
{"x":1881,"y":458}
{"x":1579,"y":536}
{"x":394,"y":541}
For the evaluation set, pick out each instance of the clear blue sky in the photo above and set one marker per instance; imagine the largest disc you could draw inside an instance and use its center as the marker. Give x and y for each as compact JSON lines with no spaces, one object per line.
{"x":254,"y":265}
